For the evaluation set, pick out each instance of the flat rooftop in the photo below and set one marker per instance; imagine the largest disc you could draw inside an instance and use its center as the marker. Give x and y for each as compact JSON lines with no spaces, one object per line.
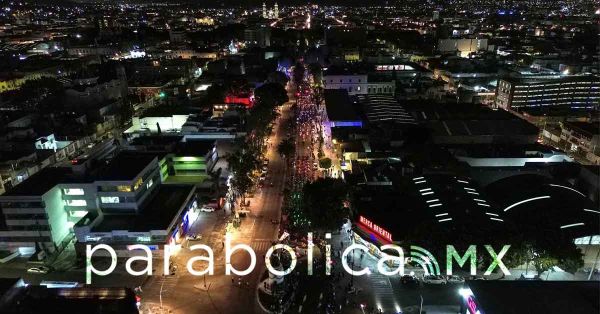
{"x":533,"y":297}
{"x":39,"y":299}
{"x":155,"y":215}
{"x":125,"y":166}
{"x":338,"y":106}
{"x":589,"y":129}
{"x":42,"y":181}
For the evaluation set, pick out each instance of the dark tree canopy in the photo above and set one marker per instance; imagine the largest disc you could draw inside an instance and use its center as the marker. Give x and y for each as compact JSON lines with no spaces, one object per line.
{"x":324,"y":203}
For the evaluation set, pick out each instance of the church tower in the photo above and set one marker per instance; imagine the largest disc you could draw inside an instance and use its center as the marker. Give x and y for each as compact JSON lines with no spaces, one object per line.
{"x":276,"y":11}
{"x":264,"y":11}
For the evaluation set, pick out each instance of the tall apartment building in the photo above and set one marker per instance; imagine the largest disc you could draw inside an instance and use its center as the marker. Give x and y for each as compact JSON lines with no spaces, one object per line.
{"x":577,"y":92}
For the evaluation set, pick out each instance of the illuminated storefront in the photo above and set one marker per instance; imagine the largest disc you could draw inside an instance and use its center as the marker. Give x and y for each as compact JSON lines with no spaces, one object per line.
{"x":371,"y":235}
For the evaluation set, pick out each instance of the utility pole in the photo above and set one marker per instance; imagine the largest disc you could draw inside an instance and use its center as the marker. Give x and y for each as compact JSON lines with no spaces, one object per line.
{"x":594,"y":266}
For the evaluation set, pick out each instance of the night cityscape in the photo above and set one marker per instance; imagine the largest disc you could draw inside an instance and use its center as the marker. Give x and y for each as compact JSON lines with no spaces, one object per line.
{"x":328,"y":157}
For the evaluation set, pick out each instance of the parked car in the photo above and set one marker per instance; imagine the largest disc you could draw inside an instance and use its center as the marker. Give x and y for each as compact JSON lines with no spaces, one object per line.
{"x":193,"y":237}
{"x":409,"y":280}
{"x":207,"y":209}
{"x":434,"y":280}
{"x":455,"y":279}
{"x":477,"y":278}
{"x":530,"y":277}
{"x":39,"y":270}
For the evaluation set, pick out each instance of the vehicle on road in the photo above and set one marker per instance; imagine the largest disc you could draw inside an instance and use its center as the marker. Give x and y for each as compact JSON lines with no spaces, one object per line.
{"x":409,"y":280}
{"x":529,"y":277}
{"x":207,"y":209}
{"x":434,"y":280}
{"x":455,"y":279}
{"x":39,"y":270}
{"x":193,"y":237}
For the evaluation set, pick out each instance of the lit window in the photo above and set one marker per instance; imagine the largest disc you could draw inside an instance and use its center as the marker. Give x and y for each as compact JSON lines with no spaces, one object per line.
{"x":78,"y":213}
{"x":137,"y":184}
{"x":149,"y":184}
{"x":73,"y":191}
{"x":75,"y":203}
{"x":123,"y":188}
{"x":109,"y":199}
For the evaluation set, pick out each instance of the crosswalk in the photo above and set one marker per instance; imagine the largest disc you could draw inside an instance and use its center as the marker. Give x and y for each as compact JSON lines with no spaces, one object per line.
{"x":261,"y":246}
{"x":167,"y":284}
{"x":383,"y":291}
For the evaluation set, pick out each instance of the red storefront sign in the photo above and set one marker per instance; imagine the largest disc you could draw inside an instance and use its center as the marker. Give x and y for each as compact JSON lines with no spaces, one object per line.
{"x":375,"y":228}
{"x":231,"y":99}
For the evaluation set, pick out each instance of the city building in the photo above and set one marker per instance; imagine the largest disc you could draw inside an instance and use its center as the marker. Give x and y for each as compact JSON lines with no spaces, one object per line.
{"x":16,"y":297}
{"x":532,"y":296}
{"x":575,"y":92}
{"x":462,"y":46}
{"x":473,"y":124}
{"x":45,"y":212}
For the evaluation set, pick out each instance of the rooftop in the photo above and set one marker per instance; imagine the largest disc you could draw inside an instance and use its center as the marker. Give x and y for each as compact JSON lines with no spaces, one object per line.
{"x":433,"y":202}
{"x":533,"y":297}
{"x":338,"y":106}
{"x":589,"y":129}
{"x":39,"y":299}
{"x":380,"y":107}
{"x":155,"y":215}
{"x":125,"y":166}
{"x":42,"y":181}
{"x":530,"y":200}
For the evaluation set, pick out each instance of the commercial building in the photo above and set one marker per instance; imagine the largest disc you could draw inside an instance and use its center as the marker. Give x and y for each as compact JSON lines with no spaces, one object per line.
{"x":357,"y":83}
{"x":339,"y":110}
{"x":18,"y":298}
{"x":45,"y":212}
{"x":38,"y":214}
{"x":575,"y":92}
{"x":462,"y":46}
{"x":384,"y":108}
{"x":474,"y":124}
{"x":534,"y":297}
{"x":584,"y":138}
{"x":165,"y":219}
{"x":404,"y":210}
{"x":442,"y":208}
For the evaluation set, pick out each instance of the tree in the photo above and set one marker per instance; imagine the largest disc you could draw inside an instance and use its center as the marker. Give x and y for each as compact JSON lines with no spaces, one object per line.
{"x":241,"y":164}
{"x":298,"y":73}
{"x":215,"y":94}
{"x":317,"y":73}
{"x":286,"y":148}
{"x":273,"y":94}
{"x":325,"y":163}
{"x":277,"y":77}
{"x":323,"y":203}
